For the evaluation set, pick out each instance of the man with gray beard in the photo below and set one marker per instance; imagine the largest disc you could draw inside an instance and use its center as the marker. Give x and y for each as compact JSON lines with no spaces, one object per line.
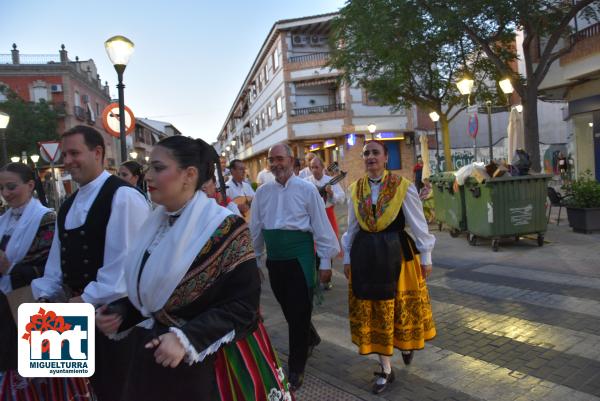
{"x":289,"y":218}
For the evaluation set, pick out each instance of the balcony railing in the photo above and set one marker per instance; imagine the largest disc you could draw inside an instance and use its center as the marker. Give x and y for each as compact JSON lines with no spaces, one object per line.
{"x":310,"y":57}
{"x":31,"y":58}
{"x":60,"y":108}
{"x":318,"y":109}
{"x":79,"y":113}
{"x":592,"y":30}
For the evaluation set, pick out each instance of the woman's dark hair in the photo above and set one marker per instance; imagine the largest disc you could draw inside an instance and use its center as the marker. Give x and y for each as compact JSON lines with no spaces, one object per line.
{"x":190,"y":152}
{"x":136,"y":169}
{"x":380,"y":143}
{"x":27,"y":174}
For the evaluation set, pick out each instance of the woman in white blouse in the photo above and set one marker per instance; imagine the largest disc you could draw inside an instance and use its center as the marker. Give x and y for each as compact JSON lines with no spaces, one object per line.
{"x":388,"y":298}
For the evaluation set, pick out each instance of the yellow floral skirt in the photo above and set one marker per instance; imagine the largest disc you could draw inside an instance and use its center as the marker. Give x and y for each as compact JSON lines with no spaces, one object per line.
{"x":405,"y":322}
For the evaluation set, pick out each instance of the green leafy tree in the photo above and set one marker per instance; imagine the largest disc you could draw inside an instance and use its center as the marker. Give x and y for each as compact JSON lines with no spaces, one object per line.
{"x":492,"y":25}
{"x":29,"y":123}
{"x":397,"y":52}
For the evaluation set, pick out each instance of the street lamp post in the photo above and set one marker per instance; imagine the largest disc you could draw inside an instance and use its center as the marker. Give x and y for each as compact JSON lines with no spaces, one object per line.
{"x":435,"y":117}
{"x":372,"y":129}
{"x":4,"y":119}
{"x":465,"y":86}
{"x":119,"y":50}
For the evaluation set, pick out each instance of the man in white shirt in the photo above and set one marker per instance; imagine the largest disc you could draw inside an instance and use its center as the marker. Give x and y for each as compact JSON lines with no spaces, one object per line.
{"x":305,"y":172}
{"x":265,"y":175}
{"x":332,"y":195}
{"x":95,"y":228}
{"x":289,"y":218}
{"x":238,"y":188}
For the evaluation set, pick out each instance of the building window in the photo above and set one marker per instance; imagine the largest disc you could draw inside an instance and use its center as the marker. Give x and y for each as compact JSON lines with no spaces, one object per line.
{"x":77,"y":99}
{"x":256,"y":125}
{"x":394,"y":159}
{"x":279,"y":106}
{"x":276,"y":59}
{"x":3,"y":91}
{"x":266,"y":73}
{"x":39,"y":93}
{"x":270,"y":113}
{"x":262,"y":120}
{"x":97,"y":109}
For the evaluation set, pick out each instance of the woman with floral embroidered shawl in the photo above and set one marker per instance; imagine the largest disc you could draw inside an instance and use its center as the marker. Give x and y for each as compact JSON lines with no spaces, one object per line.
{"x":388,"y":299}
{"x":193,"y":293}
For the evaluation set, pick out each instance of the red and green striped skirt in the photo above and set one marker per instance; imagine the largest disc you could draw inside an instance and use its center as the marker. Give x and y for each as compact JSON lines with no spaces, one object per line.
{"x":250,"y":370}
{"x":14,"y":387}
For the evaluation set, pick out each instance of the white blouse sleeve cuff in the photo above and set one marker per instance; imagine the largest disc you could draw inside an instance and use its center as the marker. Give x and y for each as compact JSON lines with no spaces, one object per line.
{"x":425,"y":258}
{"x":191,"y":354}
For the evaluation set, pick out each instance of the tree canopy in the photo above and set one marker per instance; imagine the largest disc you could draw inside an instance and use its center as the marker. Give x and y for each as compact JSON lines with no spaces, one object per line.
{"x":29,"y":123}
{"x":414,"y":51}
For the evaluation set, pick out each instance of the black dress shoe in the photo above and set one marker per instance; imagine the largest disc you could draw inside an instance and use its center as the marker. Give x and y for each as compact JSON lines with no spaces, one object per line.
{"x":311,"y":347}
{"x":381,"y":385}
{"x":295,"y":380}
{"x":407,"y":358}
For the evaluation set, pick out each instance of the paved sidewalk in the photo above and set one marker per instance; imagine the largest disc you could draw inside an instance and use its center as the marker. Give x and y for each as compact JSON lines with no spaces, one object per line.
{"x":519,"y":324}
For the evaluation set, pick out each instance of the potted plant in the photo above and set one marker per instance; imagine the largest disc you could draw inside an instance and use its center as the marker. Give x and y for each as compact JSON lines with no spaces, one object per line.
{"x":583,"y":204}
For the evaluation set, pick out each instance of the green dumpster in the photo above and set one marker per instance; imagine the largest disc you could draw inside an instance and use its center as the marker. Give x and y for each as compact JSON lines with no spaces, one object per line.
{"x":506,"y":207}
{"x":449,"y":205}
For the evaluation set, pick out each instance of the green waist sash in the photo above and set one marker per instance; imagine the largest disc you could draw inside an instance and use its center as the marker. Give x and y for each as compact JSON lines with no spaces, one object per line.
{"x":288,"y":244}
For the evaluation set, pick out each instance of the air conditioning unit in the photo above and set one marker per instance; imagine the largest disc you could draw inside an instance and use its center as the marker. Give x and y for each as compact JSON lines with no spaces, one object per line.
{"x":315,"y":40}
{"x":85,"y":98}
{"x":56,"y":88}
{"x":298,"y":40}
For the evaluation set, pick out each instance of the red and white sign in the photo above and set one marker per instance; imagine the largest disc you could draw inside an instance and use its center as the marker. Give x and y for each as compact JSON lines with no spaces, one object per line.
{"x":50,"y":151}
{"x":111,"y":120}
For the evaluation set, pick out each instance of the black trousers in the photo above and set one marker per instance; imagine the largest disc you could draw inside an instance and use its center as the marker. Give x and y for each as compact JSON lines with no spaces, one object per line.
{"x":292,"y":293}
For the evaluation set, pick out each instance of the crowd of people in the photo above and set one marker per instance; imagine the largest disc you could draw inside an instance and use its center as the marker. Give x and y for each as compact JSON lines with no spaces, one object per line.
{"x":171,"y":261}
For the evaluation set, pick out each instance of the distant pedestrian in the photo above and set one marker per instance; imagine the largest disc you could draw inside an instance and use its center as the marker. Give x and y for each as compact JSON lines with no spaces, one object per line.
{"x":388,"y":303}
{"x":305,"y":172}
{"x":418,"y":172}
{"x":264,"y":176}
{"x":133,"y":172}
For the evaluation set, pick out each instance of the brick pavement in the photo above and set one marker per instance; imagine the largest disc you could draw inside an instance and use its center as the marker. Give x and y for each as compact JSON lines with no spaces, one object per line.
{"x":519,"y":324}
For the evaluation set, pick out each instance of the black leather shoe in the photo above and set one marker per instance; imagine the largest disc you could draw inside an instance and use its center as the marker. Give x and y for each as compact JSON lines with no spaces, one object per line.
{"x":295,"y":380}
{"x":312,"y":346}
{"x":407,"y":358}
{"x":380,"y":385}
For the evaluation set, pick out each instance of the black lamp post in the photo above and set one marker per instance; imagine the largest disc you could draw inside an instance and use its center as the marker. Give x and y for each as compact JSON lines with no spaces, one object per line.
{"x":119,"y":50}
{"x":4,"y":119}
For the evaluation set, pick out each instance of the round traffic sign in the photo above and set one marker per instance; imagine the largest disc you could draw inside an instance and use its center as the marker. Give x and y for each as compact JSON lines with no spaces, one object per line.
{"x":111,"y":120}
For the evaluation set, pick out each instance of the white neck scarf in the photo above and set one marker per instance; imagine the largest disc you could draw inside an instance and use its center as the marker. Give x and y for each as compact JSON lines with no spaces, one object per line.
{"x":25,"y":230}
{"x":172,"y":257}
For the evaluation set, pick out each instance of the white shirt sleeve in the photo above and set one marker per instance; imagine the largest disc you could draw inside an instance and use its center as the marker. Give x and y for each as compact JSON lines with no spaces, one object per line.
{"x":413,"y":212}
{"x":338,"y":194}
{"x":350,"y":233}
{"x":325,"y":239}
{"x":256,"y":227}
{"x":50,"y":284}
{"x":233,"y":207}
{"x":249,"y":190}
{"x":129,"y":210}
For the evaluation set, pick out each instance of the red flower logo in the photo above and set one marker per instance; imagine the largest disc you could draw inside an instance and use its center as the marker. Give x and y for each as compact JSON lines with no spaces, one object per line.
{"x":44,"y":321}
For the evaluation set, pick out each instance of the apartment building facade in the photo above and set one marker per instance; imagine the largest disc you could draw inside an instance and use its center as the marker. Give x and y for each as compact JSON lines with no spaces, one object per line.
{"x":290,"y":95}
{"x":576,"y":79}
{"x":72,"y":88}
{"x":147,"y":133}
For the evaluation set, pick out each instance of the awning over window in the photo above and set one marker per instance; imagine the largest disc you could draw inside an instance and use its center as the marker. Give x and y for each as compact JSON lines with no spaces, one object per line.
{"x":315,"y":82}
